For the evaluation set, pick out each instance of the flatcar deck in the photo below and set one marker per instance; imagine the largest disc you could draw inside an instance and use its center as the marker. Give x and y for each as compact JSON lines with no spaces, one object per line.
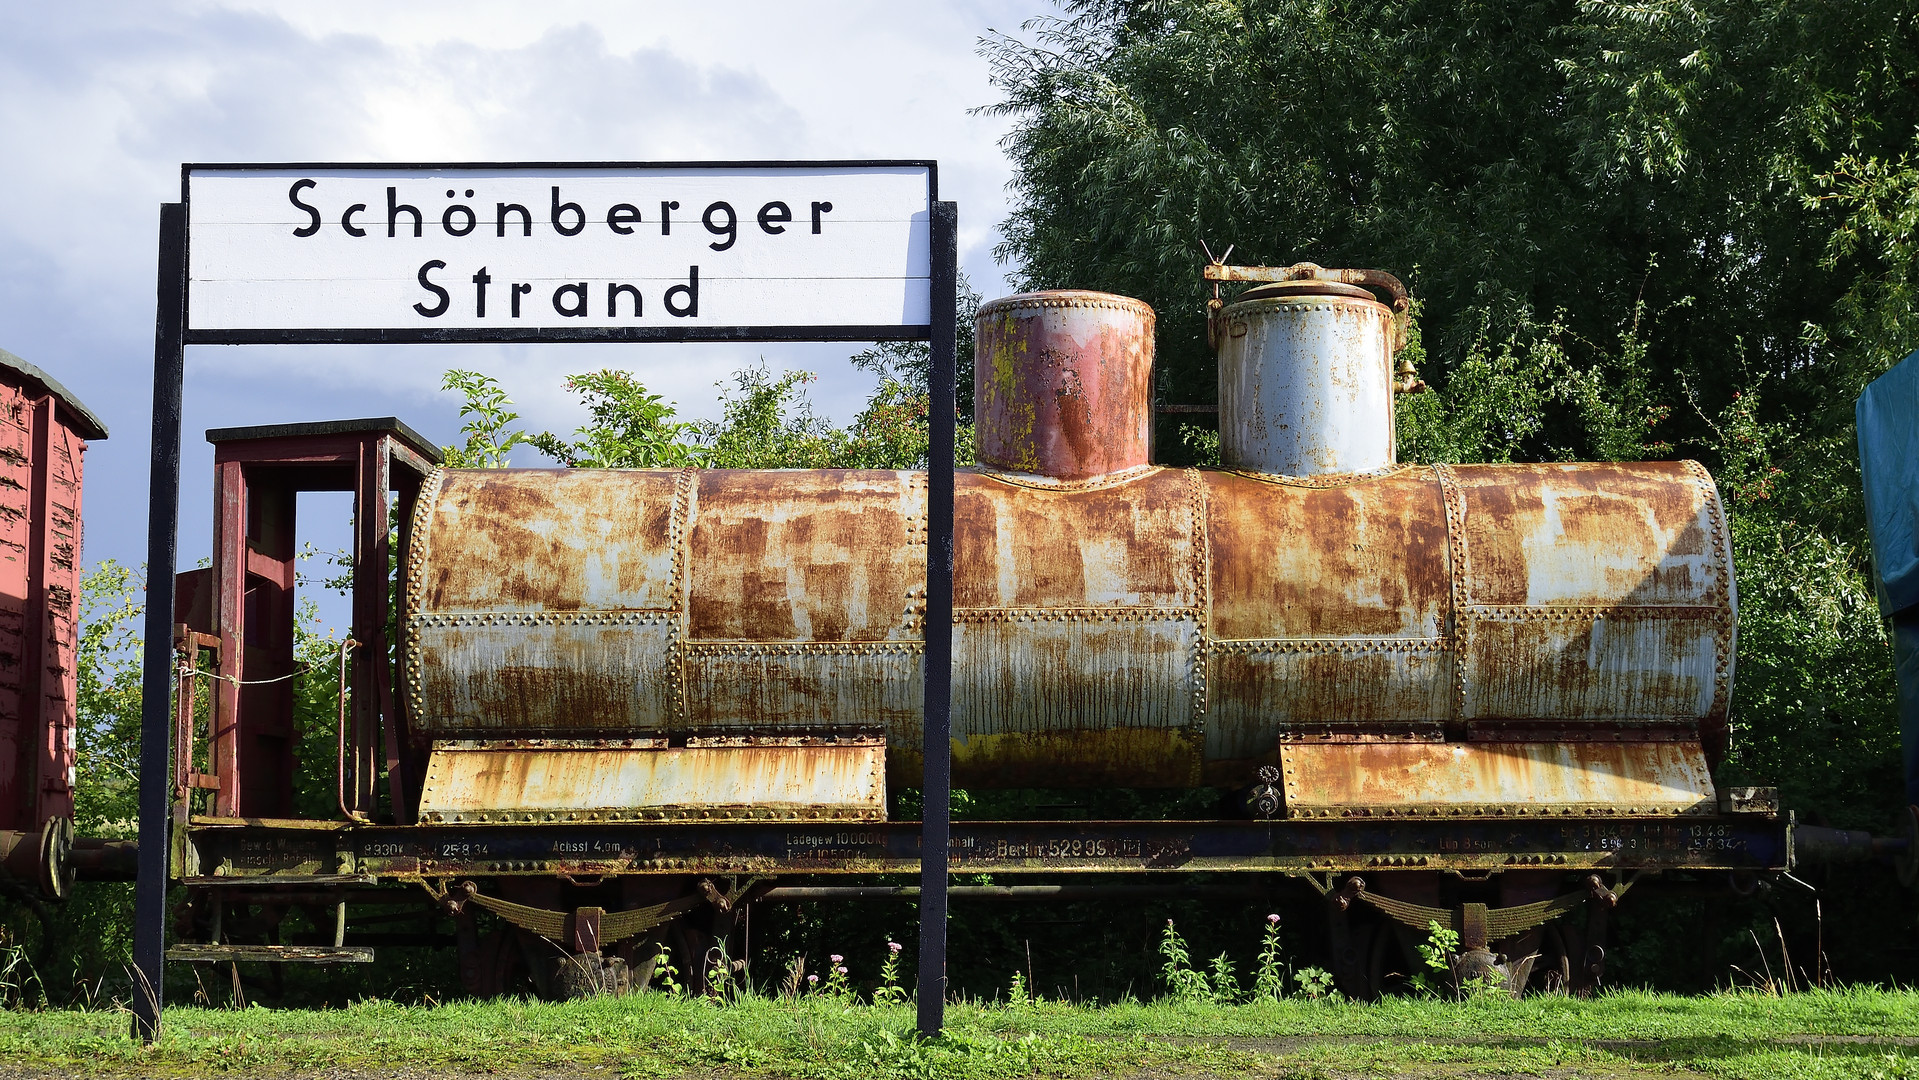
{"x":298,"y":851}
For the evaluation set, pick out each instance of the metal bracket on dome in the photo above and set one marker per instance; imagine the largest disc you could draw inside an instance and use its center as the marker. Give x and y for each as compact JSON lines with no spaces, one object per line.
{"x":1392,"y":291}
{"x":1388,"y":288}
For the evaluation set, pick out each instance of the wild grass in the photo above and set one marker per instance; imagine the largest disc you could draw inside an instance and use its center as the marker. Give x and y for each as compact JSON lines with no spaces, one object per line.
{"x":1816,"y":1034}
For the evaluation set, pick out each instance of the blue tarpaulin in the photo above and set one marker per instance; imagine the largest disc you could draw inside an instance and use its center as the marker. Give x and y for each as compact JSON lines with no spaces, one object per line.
{"x":1888,"y":414}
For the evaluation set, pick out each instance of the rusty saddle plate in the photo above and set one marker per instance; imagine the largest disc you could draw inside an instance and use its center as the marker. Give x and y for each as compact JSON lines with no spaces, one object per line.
{"x":1485,"y":779}
{"x":477,"y":781}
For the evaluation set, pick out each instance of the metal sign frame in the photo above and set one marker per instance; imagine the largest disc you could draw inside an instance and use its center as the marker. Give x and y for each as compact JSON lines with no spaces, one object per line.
{"x":172,"y":335}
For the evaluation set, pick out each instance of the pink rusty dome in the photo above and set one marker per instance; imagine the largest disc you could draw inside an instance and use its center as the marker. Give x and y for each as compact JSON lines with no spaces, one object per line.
{"x":1063,"y":384}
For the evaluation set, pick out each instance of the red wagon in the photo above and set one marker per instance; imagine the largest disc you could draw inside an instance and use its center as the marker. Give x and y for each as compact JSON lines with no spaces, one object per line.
{"x":44,"y":431}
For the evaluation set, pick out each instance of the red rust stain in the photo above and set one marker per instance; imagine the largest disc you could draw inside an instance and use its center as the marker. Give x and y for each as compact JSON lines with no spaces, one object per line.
{"x":1364,"y":560}
{"x":1526,"y":775}
{"x":1127,"y":545}
{"x":814,"y":555}
{"x":770,"y":777}
{"x":1015,"y":679}
{"x":550,"y":540}
{"x":808,"y":692}
{"x":1589,"y":535}
{"x":1645,"y":669}
{"x":1258,"y":699}
{"x":582,"y":679}
{"x":1498,"y":513}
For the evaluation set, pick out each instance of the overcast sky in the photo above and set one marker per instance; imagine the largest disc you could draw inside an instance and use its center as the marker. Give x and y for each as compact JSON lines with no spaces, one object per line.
{"x":100,"y":103}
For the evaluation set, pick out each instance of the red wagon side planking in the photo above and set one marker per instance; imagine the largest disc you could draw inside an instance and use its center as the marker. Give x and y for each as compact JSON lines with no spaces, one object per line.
{"x":44,"y":431}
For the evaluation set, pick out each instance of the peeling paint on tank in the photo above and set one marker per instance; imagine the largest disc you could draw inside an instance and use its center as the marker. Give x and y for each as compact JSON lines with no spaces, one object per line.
{"x":871,"y":687}
{"x":1305,"y":380}
{"x":1591,"y":666}
{"x":1129,"y":545}
{"x":806,"y":555}
{"x":1559,"y":535}
{"x":543,"y":674}
{"x":546,"y":540}
{"x":1364,"y":559}
{"x":1029,"y":672}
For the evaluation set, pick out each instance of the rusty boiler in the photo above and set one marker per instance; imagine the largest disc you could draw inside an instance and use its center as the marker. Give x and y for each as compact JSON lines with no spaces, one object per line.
{"x":1392,"y":640}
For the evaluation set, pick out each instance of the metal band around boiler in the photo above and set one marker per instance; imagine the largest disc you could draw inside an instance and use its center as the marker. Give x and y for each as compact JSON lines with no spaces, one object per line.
{"x":654,"y":617}
{"x":1726,"y":639}
{"x":413,"y":594}
{"x":1036,"y":482}
{"x":1357,"y":646}
{"x":1063,"y":299}
{"x":1078,"y":614}
{"x":1203,"y":590}
{"x":679,"y":532}
{"x":1329,"y":480}
{"x":1456,"y":569}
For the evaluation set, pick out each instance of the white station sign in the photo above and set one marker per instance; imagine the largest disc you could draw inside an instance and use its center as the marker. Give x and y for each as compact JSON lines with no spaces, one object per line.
{"x":521,"y":252}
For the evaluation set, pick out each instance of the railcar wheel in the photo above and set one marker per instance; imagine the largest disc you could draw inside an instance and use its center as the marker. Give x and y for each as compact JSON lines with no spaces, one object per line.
{"x":1555,"y":963}
{"x":1522,"y":952}
{"x":1376,"y":974}
{"x":1906,"y":863}
{"x":642,"y":956}
{"x":499,"y":967}
{"x":1352,"y":942}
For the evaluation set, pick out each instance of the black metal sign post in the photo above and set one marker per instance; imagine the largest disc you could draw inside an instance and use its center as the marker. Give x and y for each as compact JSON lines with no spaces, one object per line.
{"x":282,"y":200}
{"x":936,"y":785}
{"x":156,"y":673}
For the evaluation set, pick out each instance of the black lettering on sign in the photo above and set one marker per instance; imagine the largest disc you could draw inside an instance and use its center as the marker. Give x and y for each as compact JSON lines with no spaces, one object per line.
{"x":346,"y":220}
{"x":613,"y":291}
{"x":293,"y":196}
{"x":690,"y":291}
{"x":520,"y":288}
{"x":773,"y":217}
{"x":622,"y":217}
{"x":666,"y":218}
{"x":446,"y":218}
{"x":818,"y":209}
{"x":579,"y":215}
{"x":480,"y":282}
{"x":729,"y":229}
{"x":578,"y":292}
{"x":438,"y":309}
{"x":502,"y":209}
{"x":394,"y":208}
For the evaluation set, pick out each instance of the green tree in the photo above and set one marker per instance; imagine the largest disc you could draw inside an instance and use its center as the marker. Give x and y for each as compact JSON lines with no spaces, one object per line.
{"x":629,"y":428}
{"x":107,"y":703}
{"x":767,"y":422}
{"x":488,"y":418}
